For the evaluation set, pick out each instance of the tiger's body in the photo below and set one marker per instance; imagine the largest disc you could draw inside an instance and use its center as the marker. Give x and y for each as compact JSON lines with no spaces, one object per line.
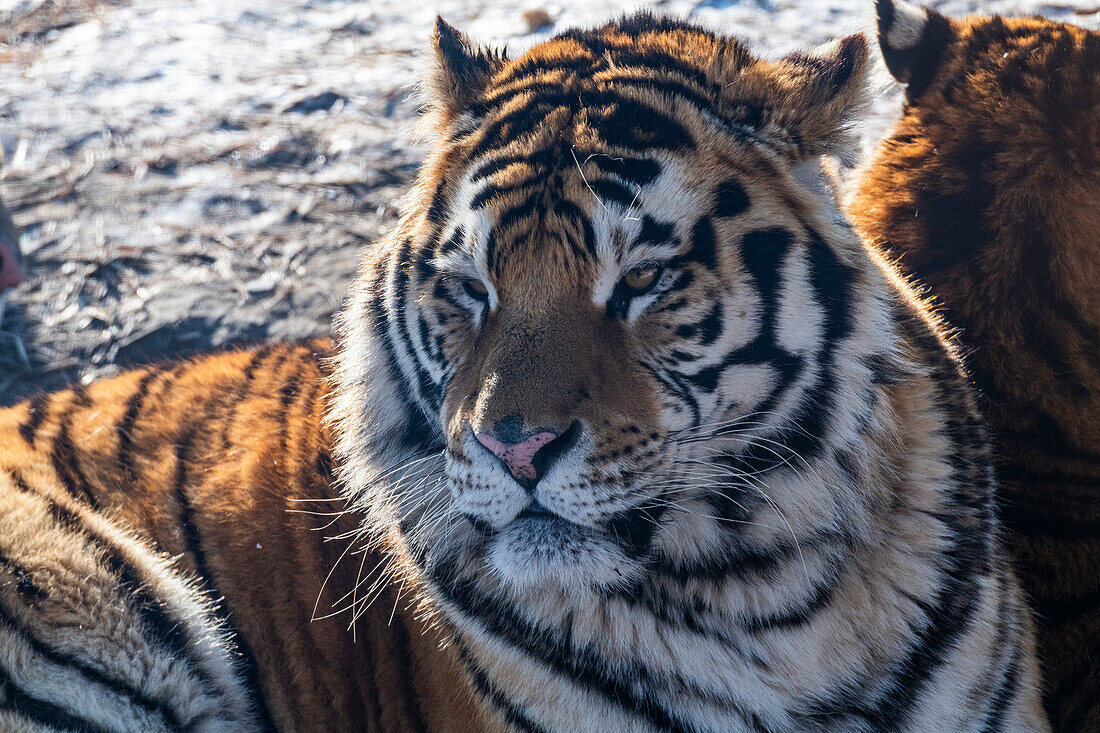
{"x":623,"y":403}
{"x":988,"y":191}
{"x":173,"y":453}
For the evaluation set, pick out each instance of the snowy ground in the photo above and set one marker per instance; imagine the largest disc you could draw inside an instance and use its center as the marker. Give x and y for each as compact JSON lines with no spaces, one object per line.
{"x":190,"y":174}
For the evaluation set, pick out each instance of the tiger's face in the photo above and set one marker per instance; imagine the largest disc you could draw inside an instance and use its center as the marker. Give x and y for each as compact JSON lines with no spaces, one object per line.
{"x":603,"y":301}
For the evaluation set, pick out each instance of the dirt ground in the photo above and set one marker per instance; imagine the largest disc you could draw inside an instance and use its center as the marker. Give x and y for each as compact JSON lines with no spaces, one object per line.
{"x":195,"y":174}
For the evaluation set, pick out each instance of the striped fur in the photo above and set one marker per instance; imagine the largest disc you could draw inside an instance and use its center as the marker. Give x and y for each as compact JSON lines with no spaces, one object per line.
{"x":988,"y":191}
{"x":97,"y":631}
{"x":770,"y":507}
{"x":770,"y":501}
{"x":223,"y":464}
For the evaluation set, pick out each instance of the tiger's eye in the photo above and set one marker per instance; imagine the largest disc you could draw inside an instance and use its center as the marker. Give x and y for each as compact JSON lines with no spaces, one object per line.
{"x":476,"y":289}
{"x":641,"y":278}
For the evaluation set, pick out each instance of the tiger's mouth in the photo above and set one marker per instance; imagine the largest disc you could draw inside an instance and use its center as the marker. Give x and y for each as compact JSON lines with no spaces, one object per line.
{"x":535,"y":510}
{"x":534,"y":513}
{"x":541,"y":548}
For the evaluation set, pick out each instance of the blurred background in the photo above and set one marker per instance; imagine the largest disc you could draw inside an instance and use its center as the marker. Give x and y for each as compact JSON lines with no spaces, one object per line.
{"x":188,"y":175}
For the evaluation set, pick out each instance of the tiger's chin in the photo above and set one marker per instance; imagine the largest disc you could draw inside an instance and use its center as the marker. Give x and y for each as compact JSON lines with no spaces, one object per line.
{"x":547,"y":552}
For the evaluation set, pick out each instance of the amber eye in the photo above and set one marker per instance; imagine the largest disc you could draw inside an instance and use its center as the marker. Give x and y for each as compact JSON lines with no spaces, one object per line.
{"x":476,"y":289}
{"x":641,"y":279}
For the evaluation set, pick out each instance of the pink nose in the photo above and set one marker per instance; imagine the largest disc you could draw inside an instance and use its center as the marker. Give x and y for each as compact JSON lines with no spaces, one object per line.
{"x":11,"y":274}
{"x":518,"y":456}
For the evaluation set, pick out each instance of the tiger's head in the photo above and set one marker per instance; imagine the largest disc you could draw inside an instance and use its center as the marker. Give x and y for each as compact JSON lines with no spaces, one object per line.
{"x":614,"y":300}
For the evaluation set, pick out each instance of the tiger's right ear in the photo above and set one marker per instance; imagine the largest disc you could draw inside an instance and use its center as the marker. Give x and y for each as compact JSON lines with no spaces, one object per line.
{"x":459,"y":71}
{"x":912,"y":39}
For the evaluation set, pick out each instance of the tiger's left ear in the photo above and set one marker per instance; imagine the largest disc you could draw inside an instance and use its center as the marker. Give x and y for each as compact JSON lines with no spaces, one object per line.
{"x":809,"y":100}
{"x":459,"y":71}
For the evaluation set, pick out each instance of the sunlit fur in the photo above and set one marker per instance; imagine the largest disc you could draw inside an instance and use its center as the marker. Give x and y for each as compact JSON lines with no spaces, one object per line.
{"x":988,"y":191}
{"x":774,"y":510}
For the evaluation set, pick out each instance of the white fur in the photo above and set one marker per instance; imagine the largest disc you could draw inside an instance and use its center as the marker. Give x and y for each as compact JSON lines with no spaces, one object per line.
{"x":908,"y":26}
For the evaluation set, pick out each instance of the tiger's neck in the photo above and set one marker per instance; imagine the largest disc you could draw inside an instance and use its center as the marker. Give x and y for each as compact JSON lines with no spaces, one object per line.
{"x":755,"y":639}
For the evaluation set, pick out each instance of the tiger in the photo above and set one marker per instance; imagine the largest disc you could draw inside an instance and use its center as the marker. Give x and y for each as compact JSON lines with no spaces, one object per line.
{"x":988,"y":192}
{"x":621,"y":428}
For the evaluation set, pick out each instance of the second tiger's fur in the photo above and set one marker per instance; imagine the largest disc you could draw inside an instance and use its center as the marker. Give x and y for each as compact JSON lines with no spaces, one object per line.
{"x":637,"y":423}
{"x":988,"y":191}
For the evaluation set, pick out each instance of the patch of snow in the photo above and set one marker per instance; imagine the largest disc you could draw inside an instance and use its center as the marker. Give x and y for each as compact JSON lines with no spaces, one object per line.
{"x":195,"y":173}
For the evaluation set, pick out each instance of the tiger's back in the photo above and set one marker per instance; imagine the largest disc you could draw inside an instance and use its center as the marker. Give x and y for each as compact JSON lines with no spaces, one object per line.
{"x":222,"y":462}
{"x":988,"y":192}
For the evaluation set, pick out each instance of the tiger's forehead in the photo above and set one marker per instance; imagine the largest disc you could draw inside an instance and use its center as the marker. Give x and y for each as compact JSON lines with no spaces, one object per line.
{"x":584,"y":57}
{"x":590,"y":212}
{"x":584,"y":155}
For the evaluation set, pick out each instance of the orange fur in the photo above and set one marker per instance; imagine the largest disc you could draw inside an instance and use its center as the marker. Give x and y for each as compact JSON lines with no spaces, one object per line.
{"x":988,"y":191}
{"x":223,"y":461}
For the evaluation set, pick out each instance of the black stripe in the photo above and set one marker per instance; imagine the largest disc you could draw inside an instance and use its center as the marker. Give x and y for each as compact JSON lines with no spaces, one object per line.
{"x":24,"y":583}
{"x":247,"y":665}
{"x":125,"y":427}
{"x":633,"y":529}
{"x":730,"y":199}
{"x":1003,"y":696}
{"x":121,"y":688}
{"x":629,"y":123}
{"x":703,"y":247}
{"x":675,"y":386}
{"x":606,"y":189}
{"x":798,"y":616}
{"x":624,"y":685}
{"x":639,"y":171}
{"x":241,"y":393}
{"x":41,"y":712}
{"x":428,"y":391}
{"x":156,"y":615}
{"x":968,"y":526}
{"x":568,"y":209}
{"x":492,"y":193}
{"x":63,"y":454}
{"x":763,"y":253}
{"x":710,"y":328}
{"x":38,"y":406}
{"x":508,"y":709}
{"x":655,"y":232}
{"x":748,"y":563}
{"x":437,"y":206}
{"x":517,"y":214}
{"x":417,"y":433}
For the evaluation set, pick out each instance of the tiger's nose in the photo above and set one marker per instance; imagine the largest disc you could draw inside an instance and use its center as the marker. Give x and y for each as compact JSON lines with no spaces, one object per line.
{"x":530,"y":459}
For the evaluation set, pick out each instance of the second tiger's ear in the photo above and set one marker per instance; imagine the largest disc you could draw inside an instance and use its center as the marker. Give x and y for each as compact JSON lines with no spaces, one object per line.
{"x":807,"y":101}
{"x":458,"y":72}
{"x":912,"y":39}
